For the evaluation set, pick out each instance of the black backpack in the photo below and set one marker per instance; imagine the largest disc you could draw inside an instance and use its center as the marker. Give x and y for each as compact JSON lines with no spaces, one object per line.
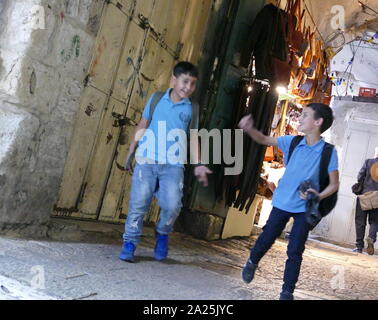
{"x":327,"y":204}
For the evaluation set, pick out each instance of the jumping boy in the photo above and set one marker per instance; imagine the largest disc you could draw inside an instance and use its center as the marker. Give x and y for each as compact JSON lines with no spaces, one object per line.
{"x":287,"y":200}
{"x":155,"y":172}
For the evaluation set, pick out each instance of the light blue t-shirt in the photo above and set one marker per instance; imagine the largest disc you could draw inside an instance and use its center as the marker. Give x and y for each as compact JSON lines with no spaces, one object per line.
{"x":165,"y":140}
{"x":303,"y":165}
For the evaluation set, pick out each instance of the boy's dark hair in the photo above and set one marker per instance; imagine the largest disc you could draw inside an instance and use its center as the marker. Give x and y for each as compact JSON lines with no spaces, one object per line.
{"x":322,"y":111}
{"x":185,"y":67}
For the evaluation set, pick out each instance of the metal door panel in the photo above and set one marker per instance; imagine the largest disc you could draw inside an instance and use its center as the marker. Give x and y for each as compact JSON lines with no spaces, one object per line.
{"x":193,"y":33}
{"x":144,"y":7}
{"x":87,"y":121}
{"x":150,"y":71}
{"x":154,"y":75}
{"x":93,"y":186}
{"x":129,"y":62}
{"x":102,"y":160}
{"x":160,"y":19}
{"x":119,"y":183}
{"x":176,"y":14}
{"x":107,"y":49}
{"x":143,"y":87}
{"x":164,"y":71}
{"x":126,"y":6}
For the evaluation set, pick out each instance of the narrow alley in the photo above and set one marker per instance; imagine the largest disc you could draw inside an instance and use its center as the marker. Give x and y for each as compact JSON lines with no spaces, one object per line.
{"x":84,"y":265}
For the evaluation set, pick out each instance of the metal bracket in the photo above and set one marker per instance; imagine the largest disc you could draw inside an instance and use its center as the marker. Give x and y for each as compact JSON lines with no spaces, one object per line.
{"x":121,"y":120}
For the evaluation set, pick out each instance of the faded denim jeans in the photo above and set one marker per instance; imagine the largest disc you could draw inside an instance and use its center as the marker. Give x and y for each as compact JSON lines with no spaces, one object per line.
{"x":164,"y":181}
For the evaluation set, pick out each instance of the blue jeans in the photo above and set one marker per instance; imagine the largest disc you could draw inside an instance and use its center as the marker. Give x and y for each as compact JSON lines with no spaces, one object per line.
{"x":373,"y":231}
{"x":298,"y":237}
{"x":166,"y":182}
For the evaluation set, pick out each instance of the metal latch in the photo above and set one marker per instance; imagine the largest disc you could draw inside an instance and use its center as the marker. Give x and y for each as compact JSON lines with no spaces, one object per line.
{"x":122,"y":120}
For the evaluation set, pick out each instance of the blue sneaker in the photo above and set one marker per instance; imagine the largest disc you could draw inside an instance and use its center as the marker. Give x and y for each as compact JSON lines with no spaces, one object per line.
{"x":127,"y":253}
{"x":249,"y":271}
{"x":161,"y":247}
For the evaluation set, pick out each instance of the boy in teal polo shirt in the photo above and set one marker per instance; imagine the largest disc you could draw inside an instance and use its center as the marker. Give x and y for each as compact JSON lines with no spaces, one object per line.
{"x":160,"y":160}
{"x":288,"y":201}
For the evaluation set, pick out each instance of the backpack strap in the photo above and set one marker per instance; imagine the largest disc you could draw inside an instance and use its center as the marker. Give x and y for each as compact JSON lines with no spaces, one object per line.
{"x":155,"y":100}
{"x":296,"y":140}
{"x":323,"y":167}
{"x":329,"y":203}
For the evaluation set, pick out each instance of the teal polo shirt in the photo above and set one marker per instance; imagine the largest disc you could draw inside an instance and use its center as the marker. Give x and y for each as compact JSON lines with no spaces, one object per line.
{"x":165,"y":141}
{"x":303,"y":165}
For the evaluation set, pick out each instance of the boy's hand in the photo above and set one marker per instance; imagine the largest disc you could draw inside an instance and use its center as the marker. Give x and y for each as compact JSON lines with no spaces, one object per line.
{"x":201,"y":173}
{"x":246,"y":123}
{"x":303,"y":195}
{"x":129,"y":162}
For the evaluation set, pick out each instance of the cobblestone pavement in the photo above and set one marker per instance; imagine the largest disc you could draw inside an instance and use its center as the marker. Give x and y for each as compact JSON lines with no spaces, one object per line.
{"x":196,"y":269}
{"x":328,"y":271}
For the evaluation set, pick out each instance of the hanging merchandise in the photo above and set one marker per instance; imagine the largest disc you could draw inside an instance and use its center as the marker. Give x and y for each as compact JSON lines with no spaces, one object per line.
{"x":268,"y":45}
{"x":297,"y":41}
{"x":262,"y":101}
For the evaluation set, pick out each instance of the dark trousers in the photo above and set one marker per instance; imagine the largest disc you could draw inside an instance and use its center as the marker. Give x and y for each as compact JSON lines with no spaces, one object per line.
{"x":361,"y":220}
{"x":298,"y":236}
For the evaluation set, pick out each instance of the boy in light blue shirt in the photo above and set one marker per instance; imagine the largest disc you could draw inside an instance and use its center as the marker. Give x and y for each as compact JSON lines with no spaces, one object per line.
{"x":287,"y":200}
{"x":160,"y":163}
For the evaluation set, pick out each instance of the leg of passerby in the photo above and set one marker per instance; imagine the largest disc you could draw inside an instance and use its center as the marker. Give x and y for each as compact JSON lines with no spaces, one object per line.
{"x":360,"y":220}
{"x":373,"y":229}
{"x":296,"y":246}
{"x":142,"y":188}
{"x":171,"y":183}
{"x":271,"y":231}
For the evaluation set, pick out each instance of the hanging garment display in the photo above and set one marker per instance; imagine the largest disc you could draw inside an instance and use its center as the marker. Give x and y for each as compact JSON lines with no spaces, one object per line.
{"x":261,"y":104}
{"x":267,"y":43}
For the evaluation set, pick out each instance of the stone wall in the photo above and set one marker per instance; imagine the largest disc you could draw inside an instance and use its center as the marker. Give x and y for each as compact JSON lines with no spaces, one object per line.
{"x":45,"y":51}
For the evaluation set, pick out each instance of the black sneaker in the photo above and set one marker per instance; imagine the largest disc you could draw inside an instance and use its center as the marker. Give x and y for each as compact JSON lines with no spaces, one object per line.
{"x":249,"y":271}
{"x":286,"y":295}
{"x":358,"y":250}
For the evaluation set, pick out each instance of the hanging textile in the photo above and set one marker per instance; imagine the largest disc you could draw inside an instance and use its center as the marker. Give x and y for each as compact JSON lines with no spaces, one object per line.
{"x":241,"y":190}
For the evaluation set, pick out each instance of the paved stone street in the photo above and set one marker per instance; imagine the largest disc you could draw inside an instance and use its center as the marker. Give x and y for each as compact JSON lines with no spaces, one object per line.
{"x":196,"y":269}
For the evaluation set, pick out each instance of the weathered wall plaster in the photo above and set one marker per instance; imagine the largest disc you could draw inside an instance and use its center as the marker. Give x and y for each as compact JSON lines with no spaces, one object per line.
{"x":45,"y":50}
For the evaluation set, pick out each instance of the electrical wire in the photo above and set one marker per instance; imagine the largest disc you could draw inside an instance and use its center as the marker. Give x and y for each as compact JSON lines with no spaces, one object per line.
{"x":351,"y":64}
{"x":365,"y":6}
{"x":313,"y":21}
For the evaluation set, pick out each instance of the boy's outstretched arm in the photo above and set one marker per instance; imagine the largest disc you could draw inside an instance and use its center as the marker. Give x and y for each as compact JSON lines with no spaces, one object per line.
{"x":246,"y":123}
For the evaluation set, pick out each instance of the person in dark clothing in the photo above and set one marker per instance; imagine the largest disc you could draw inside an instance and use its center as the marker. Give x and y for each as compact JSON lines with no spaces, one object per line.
{"x":370,"y":183}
